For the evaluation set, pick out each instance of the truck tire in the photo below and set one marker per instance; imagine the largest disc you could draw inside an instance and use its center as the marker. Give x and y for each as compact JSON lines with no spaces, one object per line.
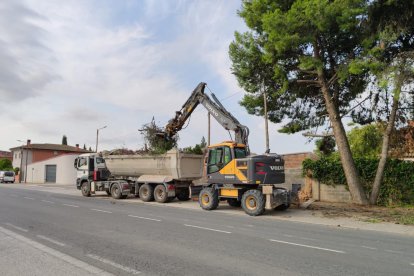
{"x":208,"y":199}
{"x":86,"y":189}
{"x":253,"y":202}
{"x":233,"y":202}
{"x":183,"y":194}
{"x":161,"y":194}
{"x":282,"y":207}
{"x":116,"y":191}
{"x":146,"y":192}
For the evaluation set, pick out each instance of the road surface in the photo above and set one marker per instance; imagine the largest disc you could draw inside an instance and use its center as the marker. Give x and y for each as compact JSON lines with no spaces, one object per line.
{"x":100,"y":236}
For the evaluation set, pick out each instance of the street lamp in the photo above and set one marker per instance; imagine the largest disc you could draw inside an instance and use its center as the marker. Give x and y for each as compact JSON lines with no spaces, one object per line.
{"x":97,"y":135}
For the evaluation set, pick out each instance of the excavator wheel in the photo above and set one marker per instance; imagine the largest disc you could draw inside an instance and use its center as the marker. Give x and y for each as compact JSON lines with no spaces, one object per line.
{"x":208,"y":199}
{"x":253,"y":202}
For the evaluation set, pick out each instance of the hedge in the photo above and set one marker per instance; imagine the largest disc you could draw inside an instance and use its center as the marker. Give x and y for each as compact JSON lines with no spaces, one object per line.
{"x":397,"y":187}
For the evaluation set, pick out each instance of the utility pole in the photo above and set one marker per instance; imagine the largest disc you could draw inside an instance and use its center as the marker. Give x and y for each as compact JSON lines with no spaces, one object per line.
{"x":266,"y":119}
{"x":21,"y":161}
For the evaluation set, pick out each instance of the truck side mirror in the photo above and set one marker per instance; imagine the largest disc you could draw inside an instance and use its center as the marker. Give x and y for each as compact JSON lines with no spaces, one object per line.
{"x":75,"y":163}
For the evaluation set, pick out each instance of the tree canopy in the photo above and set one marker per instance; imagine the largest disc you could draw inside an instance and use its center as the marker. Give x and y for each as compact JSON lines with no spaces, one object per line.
{"x":320,"y":61}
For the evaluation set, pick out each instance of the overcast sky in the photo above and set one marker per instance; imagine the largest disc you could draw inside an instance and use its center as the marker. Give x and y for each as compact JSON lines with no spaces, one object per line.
{"x":70,"y":67}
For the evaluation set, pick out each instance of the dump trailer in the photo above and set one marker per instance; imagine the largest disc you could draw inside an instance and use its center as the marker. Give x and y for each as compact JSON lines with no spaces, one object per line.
{"x":151,"y":177}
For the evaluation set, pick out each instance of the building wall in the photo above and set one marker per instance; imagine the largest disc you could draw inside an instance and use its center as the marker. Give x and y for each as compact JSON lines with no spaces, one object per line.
{"x":65,"y":172}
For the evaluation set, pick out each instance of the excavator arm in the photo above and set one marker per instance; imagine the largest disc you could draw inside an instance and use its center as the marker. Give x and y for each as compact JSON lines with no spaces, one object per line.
{"x":216,"y":109}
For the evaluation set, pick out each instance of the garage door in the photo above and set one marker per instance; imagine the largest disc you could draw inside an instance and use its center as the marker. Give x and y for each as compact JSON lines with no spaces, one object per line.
{"x":51,"y":173}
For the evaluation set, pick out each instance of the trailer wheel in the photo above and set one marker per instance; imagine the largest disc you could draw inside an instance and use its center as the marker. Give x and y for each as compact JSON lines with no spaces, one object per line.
{"x":233,"y":202}
{"x":208,"y":199}
{"x":146,"y":192}
{"x":86,"y":189}
{"x":183,"y":194}
{"x":282,"y":207}
{"x":116,"y":191}
{"x":161,"y":194}
{"x":253,"y":202}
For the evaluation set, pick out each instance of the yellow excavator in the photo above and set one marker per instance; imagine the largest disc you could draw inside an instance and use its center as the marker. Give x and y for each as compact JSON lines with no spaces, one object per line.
{"x":252,"y":181}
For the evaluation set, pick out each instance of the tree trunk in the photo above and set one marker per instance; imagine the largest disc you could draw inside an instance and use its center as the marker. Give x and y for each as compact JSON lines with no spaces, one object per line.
{"x":384,"y":150}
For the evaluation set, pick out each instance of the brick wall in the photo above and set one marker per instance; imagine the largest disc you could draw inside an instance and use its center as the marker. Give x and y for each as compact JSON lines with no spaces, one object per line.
{"x":40,"y":155}
{"x":294,"y":160}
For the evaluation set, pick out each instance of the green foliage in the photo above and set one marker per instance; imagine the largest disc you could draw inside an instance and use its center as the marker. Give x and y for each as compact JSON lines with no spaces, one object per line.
{"x":155,"y":143}
{"x":325,"y":146}
{"x":366,"y":141}
{"x":397,"y":187}
{"x":6,"y":165}
{"x":64,"y":140}
{"x":16,"y":170}
{"x":198,"y":148}
{"x":288,"y":45}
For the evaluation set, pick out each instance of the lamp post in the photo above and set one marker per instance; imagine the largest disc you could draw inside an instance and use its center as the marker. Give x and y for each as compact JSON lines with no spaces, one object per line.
{"x":97,"y":137}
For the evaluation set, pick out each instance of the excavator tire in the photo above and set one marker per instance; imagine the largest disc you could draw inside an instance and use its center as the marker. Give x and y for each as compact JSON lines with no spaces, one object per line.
{"x":253,"y":202}
{"x":146,"y":193}
{"x":233,"y":202}
{"x":208,"y":199}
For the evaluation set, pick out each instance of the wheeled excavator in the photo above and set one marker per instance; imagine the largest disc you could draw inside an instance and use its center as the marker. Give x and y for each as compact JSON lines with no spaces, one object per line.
{"x":250,"y":181}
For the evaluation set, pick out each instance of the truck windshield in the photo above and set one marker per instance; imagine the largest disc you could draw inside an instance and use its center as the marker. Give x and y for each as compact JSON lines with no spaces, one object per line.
{"x":240,"y":152}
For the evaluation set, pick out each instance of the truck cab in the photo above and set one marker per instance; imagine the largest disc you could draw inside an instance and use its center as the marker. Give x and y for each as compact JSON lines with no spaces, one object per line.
{"x":92,"y":175}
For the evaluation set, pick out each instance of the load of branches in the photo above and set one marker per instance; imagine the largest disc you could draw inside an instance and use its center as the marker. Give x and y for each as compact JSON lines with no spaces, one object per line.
{"x":155,"y":142}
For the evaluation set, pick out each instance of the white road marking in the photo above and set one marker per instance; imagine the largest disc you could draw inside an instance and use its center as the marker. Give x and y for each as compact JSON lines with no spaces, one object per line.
{"x":51,"y":240}
{"x":367,"y":247}
{"x":109,"y":262}
{"x":47,"y":201}
{"x":78,"y":263}
{"x":132,"y":216}
{"x":31,"y":198}
{"x":102,"y":211}
{"x":412,"y":264}
{"x":393,"y":251}
{"x":309,"y":246}
{"x":69,"y":205}
{"x":205,"y":228}
{"x":17,"y":227}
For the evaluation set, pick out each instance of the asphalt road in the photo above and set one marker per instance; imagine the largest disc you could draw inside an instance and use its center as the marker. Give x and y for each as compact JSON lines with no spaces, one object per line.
{"x":123,"y":238}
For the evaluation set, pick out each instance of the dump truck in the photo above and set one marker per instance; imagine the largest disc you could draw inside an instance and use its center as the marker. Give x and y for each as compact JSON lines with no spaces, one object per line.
{"x":151,"y":177}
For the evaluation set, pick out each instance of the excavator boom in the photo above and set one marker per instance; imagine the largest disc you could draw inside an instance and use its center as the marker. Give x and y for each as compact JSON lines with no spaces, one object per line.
{"x":216,"y":109}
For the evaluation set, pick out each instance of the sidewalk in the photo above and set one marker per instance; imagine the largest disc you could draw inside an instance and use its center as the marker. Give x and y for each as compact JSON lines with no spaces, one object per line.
{"x":22,"y":256}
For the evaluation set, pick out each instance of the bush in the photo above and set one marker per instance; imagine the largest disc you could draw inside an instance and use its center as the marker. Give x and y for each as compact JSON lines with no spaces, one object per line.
{"x":397,"y":186}
{"x":5,"y":165}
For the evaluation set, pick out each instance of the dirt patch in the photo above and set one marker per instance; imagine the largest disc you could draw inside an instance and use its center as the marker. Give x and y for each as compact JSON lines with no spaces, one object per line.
{"x":374,"y":214}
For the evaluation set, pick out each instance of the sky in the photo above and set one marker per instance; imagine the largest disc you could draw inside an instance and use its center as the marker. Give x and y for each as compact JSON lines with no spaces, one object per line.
{"x":71,"y":67}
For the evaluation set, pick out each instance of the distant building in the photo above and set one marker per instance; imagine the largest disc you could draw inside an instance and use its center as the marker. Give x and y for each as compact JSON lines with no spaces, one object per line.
{"x":46,"y":163}
{"x":6,"y":155}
